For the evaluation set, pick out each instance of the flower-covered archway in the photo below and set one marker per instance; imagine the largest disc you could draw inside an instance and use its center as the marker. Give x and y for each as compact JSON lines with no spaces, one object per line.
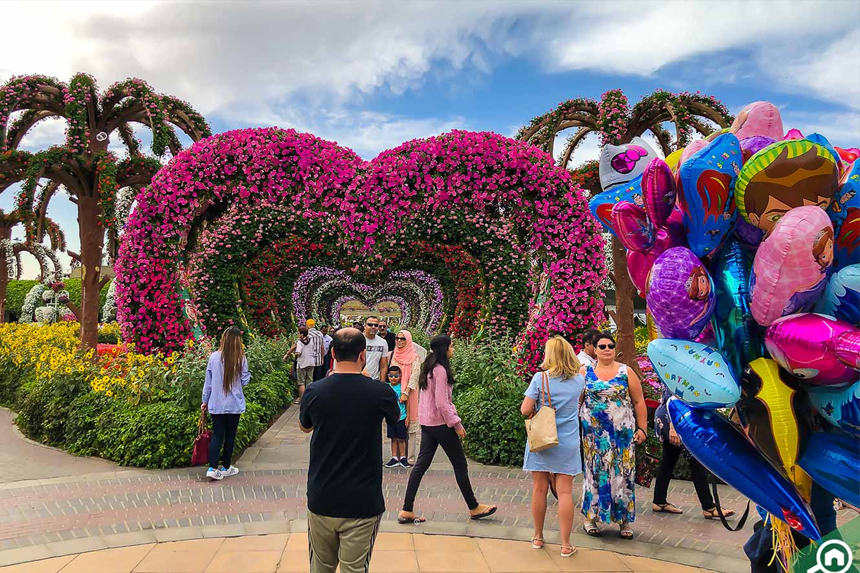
{"x":234,"y":196}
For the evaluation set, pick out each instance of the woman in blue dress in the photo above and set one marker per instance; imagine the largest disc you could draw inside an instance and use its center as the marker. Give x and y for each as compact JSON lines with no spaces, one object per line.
{"x":614,"y":419}
{"x":561,"y":368}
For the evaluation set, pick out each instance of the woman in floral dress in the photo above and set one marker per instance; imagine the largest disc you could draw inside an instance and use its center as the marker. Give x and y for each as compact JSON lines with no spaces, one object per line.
{"x":614,"y":419}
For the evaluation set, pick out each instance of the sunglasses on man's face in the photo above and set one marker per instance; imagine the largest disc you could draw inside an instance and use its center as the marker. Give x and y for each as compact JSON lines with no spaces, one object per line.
{"x":606,"y":346}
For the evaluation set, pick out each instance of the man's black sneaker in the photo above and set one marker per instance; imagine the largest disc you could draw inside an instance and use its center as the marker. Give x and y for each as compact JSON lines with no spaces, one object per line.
{"x":404,"y":463}
{"x":392,"y":463}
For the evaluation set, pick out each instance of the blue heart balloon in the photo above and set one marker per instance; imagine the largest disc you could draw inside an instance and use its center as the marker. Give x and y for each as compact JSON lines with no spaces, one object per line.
{"x":706,"y":193}
{"x":739,"y":337}
{"x":839,"y":406}
{"x":694,"y":372}
{"x":842,"y":295}
{"x":724,"y":450}
{"x":833,"y":461}
{"x":844,"y":213}
{"x":601,"y":205}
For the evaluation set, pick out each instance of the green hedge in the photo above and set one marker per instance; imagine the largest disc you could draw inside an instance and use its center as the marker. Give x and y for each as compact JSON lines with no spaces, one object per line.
{"x":66,"y":414}
{"x":16,"y":291}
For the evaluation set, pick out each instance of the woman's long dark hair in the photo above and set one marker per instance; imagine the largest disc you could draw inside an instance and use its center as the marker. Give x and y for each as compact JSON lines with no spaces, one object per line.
{"x":232,"y":356}
{"x":438,"y":355}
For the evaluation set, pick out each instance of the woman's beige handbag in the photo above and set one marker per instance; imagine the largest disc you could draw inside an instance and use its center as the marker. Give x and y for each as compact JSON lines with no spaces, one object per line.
{"x":541,"y":428}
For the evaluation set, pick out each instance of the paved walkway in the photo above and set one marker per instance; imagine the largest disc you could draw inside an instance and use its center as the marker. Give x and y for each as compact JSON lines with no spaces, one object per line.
{"x":394,"y":552}
{"x":47,"y":517}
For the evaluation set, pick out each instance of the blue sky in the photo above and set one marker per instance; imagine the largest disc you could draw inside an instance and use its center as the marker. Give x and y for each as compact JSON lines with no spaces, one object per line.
{"x":373,"y":74}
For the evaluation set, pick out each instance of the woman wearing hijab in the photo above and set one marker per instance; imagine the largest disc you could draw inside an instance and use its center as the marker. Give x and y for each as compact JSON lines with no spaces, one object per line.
{"x":409,"y":361}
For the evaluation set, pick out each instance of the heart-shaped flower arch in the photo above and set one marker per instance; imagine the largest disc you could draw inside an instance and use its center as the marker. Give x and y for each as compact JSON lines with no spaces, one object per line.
{"x":493,"y":179}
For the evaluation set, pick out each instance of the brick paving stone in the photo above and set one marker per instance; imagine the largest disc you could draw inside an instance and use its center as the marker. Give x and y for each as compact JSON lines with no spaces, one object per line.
{"x":268,"y":495}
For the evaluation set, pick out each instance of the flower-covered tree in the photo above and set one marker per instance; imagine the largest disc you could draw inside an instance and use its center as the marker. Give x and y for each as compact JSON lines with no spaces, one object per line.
{"x":83,"y":166}
{"x":617,"y":123}
{"x":10,"y":254}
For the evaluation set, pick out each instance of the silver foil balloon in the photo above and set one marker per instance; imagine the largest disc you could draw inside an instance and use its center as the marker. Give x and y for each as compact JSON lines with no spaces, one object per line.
{"x":739,"y":338}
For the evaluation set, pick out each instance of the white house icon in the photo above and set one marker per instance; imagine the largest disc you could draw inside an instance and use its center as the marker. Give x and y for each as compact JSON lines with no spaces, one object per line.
{"x":834,"y":558}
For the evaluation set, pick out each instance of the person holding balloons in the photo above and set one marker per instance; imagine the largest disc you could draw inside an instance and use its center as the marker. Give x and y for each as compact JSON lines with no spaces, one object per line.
{"x":614,"y":420}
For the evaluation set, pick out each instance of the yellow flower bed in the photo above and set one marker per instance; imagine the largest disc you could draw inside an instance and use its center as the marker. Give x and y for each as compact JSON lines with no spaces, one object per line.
{"x":51,"y":350}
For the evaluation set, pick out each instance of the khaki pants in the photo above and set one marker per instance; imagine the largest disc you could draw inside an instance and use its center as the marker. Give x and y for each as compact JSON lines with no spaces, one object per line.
{"x":414,"y":445}
{"x":334,"y":540}
{"x":305,"y":375}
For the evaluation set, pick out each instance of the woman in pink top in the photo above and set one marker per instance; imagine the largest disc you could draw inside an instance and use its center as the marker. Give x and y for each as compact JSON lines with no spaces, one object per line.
{"x":440,"y":426}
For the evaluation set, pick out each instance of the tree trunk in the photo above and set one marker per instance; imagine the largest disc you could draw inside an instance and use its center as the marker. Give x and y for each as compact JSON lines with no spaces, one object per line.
{"x":92,"y":243}
{"x":624,"y":293}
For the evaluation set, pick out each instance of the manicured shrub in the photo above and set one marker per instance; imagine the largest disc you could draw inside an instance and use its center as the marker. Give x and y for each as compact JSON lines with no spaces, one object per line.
{"x":495,"y":428}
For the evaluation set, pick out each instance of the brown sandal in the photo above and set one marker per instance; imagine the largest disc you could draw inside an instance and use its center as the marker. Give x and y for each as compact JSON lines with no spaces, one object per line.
{"x":712,"y":513}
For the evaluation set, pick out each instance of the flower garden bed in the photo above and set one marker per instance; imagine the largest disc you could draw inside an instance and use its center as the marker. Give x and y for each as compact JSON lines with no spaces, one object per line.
{"x":133,"y":409}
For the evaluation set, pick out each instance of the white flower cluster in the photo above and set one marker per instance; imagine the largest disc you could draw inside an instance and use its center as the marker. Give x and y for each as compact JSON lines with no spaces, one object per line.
{"x":8,"y":250}
{"x":109,"y":310}
{"x":30,"y":301}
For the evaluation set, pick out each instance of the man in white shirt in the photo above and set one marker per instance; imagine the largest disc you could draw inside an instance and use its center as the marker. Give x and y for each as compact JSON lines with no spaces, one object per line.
{"x":588,"y":355}
{"x":317,"y":347}
{"x":377,"y":350}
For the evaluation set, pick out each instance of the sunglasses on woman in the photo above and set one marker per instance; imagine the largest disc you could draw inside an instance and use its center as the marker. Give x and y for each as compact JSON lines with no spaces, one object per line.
{"x":400,"y":338}
{"x":606,"y":346}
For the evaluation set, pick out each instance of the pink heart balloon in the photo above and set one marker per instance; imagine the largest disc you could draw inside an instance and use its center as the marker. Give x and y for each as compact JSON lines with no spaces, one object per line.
{"x":846,"y":346}
{"x":639,"y":263}
{"x":806,"y":345}
{"x":632,"y":226}
{"x":793,"y":134}
{"x":658,"y":191}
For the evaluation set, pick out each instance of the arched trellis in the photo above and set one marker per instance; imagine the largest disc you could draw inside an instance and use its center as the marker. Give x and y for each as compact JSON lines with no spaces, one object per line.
{"x":479,"y":174}
{"x":83,"y":167}
{"x":617,"y":123}
{"x":335,"y":308}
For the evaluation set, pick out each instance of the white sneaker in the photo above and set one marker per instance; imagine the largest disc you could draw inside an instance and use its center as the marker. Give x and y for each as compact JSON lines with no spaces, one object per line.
{"x":231,"y":471}
{"x":214,"y":474}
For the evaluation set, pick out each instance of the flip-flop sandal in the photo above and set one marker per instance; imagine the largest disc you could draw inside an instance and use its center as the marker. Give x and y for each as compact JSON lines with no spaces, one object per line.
{"x":663,"y":508}
{"x":537,"y":542}
{"x":626,"y":533}
{"x":487,"y":513}
{"x":573,"y":550}
{"x":410,"y":520}
{"x":592,"y":531}
{"x":712,"y":514}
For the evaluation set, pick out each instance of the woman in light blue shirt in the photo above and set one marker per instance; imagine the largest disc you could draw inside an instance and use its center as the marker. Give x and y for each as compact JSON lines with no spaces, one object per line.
{"x":566,"y":384}
{"x":226,"y":376}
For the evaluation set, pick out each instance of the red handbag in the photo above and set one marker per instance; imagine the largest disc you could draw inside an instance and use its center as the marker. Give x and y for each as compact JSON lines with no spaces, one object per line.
{"x":200,"y":453}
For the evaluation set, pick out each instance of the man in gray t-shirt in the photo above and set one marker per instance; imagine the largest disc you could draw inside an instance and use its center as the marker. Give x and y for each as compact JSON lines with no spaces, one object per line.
{"x":377,"y":350}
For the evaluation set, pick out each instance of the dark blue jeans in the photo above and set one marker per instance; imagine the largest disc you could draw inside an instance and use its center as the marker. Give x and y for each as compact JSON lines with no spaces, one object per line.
{"x":224,"y":428}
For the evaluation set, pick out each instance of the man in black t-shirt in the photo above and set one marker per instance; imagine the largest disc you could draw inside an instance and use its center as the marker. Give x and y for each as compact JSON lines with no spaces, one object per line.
{"x":345,"y":502}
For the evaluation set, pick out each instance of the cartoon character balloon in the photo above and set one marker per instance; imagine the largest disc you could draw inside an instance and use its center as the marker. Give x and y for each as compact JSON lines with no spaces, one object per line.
{"x":842,"y":296}
{"x":724,"y":450}
{"x":783,"y":176}
{"x":639,"y":263}
{"x":845,"y":214}
{"x":601,"y":205}
{"x":803,"y":344}
{"x":706,"y":184}
{"x":790,"y":267}
{"x":739,"y":338}
{"x":773,"y":415}
{"x":839,"y":406}
{"x":758,"y":118}
{"x":632,"y":226}
{"x":695,"y":373}
{"x":622,"y":163}
{"x":833,"y":460}
{"x":680,"y":294}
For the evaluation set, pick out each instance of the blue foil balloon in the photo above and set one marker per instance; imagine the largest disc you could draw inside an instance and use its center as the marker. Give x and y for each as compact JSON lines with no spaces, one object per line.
{"x":844,"y":213}
{"x":706,"y":193}
{"x":842,"y":295}
{"x":833,"y":461}
{"x":694,"y":372}
{"x":726,"y":452}
{"x":601,"y":205}
{"x":739,"y":337}
{"x":839,"y":406}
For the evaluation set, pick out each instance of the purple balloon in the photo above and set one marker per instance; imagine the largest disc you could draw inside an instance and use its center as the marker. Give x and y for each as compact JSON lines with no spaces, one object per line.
{"x":749,"y":234}
{"x":632,"y":226}
{"x":658,"y":191}
{"x":675,"y":228}
{"x":752,"y":145}
{"x":680,"y":294}
{"x":639,"y":263}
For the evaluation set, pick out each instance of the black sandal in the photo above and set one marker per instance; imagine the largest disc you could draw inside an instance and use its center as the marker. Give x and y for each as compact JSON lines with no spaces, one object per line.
{"x":625,"y":531}
{"x":487,"y":513}
{"x":410,"y":520}
{"x":663,"y":508}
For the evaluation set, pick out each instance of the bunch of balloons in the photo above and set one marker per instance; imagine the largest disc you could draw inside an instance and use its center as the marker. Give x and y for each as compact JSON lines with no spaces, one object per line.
{"x":746,"y":248}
